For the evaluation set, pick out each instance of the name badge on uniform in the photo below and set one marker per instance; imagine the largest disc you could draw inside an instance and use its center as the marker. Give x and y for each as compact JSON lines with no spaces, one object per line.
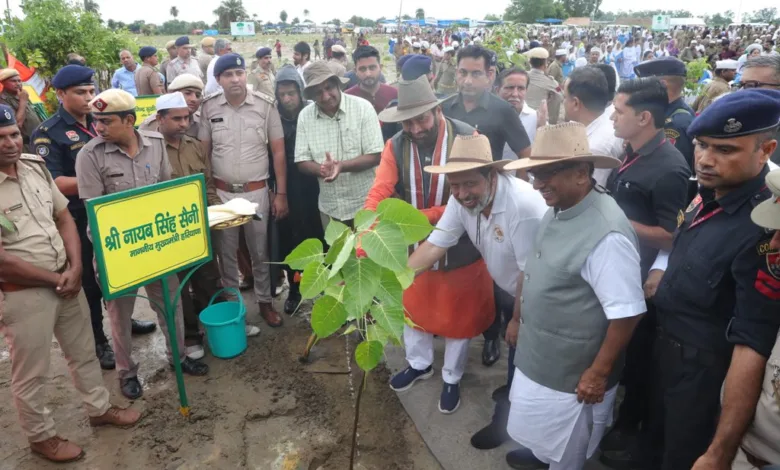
{"x":12,"y":208}
{"x":72,"y":135}
{"x":217,"y":120}
{"x":116,"y":175}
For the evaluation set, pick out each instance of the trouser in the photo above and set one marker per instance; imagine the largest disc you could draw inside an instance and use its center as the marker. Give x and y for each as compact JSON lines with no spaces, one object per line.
{"x":195,"y":296}
{"x":89,"y":280}
{"x":120,"y":313}
{"x":500,"y":319}
{"x":325,"y":219}
{"x":638,"y":373}
{"x":28,"y":321}
{"x":419,"y":354}
{"x":504,"y":303}
{"x":255,"y":232}
{"x":685,"y":403}
{"x":243,"y":257}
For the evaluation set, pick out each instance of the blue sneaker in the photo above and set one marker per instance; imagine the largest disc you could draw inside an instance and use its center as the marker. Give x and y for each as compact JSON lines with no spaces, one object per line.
{"x":450,"y":398}
{"x":404,"y":380}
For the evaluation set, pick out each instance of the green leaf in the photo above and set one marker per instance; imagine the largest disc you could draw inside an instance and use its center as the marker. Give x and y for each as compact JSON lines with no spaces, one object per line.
{"x":327,"y":316}
{"x":390,"y":290}
{"x":335,"y":248}
{"x":334,"y":230}
{"x":349,"y":330}
{"x":307,"y":252}
{"x":347,"y":250}
{"x":390,"y":318}
{"x":7,"y":224}
{"x":362,"y":279}
{"x":364,"y":219}
{"x":405,"y":277}
{"x":375,"y":332}
{"x":368,"y":354}
{"x":413,"y":224}
{"x":337,"y":292}
{"x":355,"y":309}
{"x":385,"y":245}
{"x":314,"y":279}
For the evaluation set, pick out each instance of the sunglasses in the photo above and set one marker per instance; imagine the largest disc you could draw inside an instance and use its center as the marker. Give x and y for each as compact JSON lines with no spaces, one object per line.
{"x":544,"y":174}
{"x":746,"y":85}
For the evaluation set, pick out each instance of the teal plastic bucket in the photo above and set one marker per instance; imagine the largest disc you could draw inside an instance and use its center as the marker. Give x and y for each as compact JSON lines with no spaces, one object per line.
{"x":225,"y":326}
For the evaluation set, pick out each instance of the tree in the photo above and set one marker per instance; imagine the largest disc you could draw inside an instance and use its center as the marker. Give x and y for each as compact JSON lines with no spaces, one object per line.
{"x":295,"y":21}
{"x":528,"y":11}
{"x":283,"y":16}
{"x":764,"y":15}
{"x":135,"y":26}
{"x":174,"y":12}
{"x":306,"y":14}
{"x":491,"y":17}
{"x":419,"y":14}
{"x":406,"y":17}
{"x":92,"y":6}
{"x":720,"y":19}
{"x":579,"y":8}
{"x":229,"y":11}
{"x":336,"y":21}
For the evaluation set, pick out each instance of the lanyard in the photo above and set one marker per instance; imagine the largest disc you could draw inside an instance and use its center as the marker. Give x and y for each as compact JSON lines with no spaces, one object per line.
{"x":627,"y":163}
{"x":712,"y":214}
{"x":87,"y":130}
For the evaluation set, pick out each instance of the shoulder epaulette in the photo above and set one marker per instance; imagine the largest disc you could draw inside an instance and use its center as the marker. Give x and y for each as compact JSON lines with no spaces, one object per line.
{"x":213,"y":95}
{"x":149,"y":133}
{"x":264,"y":96}
{"x":32,"y":158}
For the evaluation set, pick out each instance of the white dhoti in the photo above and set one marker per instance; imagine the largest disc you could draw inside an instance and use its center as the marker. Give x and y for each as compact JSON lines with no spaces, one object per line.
{"x":419,"y":354}
{"x":558,"y":429}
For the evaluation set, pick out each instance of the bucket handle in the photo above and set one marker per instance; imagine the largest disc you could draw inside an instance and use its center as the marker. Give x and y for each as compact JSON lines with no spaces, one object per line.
{"x":229,"y":289}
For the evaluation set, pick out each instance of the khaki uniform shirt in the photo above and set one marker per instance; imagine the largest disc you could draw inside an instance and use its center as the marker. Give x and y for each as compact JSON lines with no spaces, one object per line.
{"x":543,"y":87}
{"x":763,"y":437}
{"x":715,"y":88}
{"x":151,"y":124}
{"x":204,"y":60}
{"x":146,"y":79}
{"x":262,"y":81}
{"x":179,"y":67}
{"x":556,"y":71}
{"x":240,"y":136}
{"x":31,"y":119}
{"x":445,"y":80}
{"x":31,"y":203}
{"x":164,"y":70}
{"x":188,"y":160}
{"x":104,"y":168}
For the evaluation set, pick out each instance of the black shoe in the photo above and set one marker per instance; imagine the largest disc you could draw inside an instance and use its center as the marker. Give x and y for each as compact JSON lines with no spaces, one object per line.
{"x":490,"y":437}
{"x":501,"y":393}
{"x":105,"y":355}
{"x":196,"y":368}
{"x":624,"y":460}
{"x":291,"y":303}
{"x":619,"y":439}
{"x":142,"y":327}
{"x":131,"y":388}
{"x":490,"y":352}
{"x":524,"y":459}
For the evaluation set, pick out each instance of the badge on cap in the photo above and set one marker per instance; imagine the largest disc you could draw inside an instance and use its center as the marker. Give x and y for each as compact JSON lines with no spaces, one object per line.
{"x":732,"y":126}
{"x":238,"y":60}
{"x":100,"y":104}
{"x":7,"y":115}
{"x":72,"y":135}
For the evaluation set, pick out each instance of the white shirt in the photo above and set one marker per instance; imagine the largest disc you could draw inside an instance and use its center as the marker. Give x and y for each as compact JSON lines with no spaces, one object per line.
{"x":301,"y":68}
{"x":602,"y":141}
{"x":546,"y":417}
{"x":505,"y":237}
{"x":211,"y":81}
{"x":529,"y":119}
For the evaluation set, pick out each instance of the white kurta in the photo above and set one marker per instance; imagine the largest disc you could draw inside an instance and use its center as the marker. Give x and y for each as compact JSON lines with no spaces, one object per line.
{"x":543,"y":419}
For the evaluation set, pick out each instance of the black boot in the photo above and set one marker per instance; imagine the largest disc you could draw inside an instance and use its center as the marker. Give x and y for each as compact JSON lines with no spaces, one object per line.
{"x":494,"y":434}
{"x":491,"y":351}
{"x":142,"y":327}
{"x":131,"y":388}
{"x":105,"y":355}
{"x":524,"y":459}
{"x":293,"y":299}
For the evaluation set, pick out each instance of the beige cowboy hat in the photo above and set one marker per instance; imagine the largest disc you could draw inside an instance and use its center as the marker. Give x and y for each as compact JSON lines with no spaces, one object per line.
{"x":469,"y":152}
{"x":414,"y":98}
{"x":319,"y":72}
{"x":767,"y":214}
{"x":567,"y":142}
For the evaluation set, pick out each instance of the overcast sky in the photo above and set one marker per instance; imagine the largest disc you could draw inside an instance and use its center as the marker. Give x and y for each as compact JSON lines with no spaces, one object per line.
{"x":157,"y":11}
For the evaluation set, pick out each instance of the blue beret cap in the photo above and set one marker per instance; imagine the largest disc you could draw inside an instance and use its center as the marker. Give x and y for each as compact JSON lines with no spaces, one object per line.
{"x":740,"y":113}
{"x":666,"y":66}
{"x":416,"y":66}
{"x":534,"y":44}
{"x":227,"y":62}
{"x":262,"y":52}
{"x":72,"y":75}
{"x":402,"y":60}
{"x":147,"y":51}
{"x":7,"y":116}
{"x":182,"y":41}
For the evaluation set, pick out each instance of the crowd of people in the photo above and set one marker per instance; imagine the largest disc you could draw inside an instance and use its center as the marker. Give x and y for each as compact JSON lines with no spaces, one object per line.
{"x":591,"y":219}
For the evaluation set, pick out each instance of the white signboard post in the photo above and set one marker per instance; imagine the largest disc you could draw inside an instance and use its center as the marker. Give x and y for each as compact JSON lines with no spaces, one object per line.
{"x":242,"y":28}
{"x":661,"y":22}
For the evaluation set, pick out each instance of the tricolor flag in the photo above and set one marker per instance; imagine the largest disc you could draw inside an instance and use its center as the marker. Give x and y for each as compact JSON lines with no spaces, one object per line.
{"x":28,"y":75}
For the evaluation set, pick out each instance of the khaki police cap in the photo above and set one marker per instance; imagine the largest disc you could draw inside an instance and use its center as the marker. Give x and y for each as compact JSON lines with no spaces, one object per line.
{"x":5,"y":74}
{"x":538,"y":53}
{"x":208,"y":41}
{"x":185,"y":80}
{"x":767,"y":214}
{"x":170,"y":44}
{"x":112,"y":101}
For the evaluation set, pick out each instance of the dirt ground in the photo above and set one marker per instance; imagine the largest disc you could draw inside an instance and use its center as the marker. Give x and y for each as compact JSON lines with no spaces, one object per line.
{"x":262,"y":410}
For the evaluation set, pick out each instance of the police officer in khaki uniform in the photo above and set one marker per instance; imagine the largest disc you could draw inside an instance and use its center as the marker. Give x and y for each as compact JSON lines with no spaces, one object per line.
{"x":542,"y":86}
{"x":236,"y":127}
{"x":206,"y":54}
{"x":170,"y":46}
{"x":555,"y":70}
{"x":192,"y":88}
{"x":147,"y":80}
{"x":40,"y":280}
{"x":122,"y":158}
{"x":15,"y":96}
{"x":186,"y":157}
{"x":263,"y":75}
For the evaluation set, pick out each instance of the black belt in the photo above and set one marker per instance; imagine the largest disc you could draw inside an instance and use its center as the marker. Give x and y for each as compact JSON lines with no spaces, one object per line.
{"x":690,"y":352}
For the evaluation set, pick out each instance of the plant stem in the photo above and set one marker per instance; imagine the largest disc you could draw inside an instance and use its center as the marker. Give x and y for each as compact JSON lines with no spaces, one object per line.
{"x":355,"y":424}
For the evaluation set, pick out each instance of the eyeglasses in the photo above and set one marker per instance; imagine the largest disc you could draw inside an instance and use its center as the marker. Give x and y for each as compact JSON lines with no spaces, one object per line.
{"x":544,"y":174}
{"x":746,"y":85}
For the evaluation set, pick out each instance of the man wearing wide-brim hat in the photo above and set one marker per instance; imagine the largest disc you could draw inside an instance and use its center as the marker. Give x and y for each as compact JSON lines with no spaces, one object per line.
{"x":339,"y":141}
{"x":455,"y":299}
{"x":500,"y":214}
{"x":581,"y":300}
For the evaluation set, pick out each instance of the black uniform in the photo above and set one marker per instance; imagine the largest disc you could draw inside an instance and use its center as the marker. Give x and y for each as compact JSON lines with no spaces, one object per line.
{"x":58,"y":140}
{"x":718,"y":290}
{"x":678,"y":117}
